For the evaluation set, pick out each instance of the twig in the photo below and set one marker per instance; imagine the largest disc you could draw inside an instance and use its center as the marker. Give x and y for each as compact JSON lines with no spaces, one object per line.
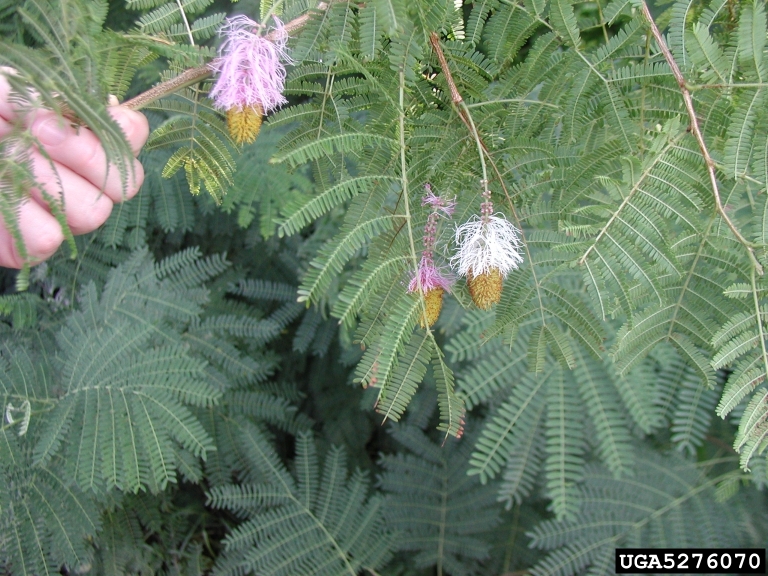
{"x":434,"y":39}
{"x":186,"y":78}
{"x":200,"y":73}
{"x":456,"y":98}
{"x":696,"y":131}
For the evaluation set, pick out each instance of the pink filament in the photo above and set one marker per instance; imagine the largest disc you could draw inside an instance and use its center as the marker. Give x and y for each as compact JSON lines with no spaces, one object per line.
{"x":437,"y":202}
{"x":250,"y":71}
{"x":429,"y":276}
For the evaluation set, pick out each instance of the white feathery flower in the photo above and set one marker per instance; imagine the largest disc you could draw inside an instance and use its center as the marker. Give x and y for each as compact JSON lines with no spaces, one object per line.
{"x":487,"y":243}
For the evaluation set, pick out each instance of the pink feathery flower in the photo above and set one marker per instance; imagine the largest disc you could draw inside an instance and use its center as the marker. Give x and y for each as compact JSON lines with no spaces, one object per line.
{"x":437,"y":202}
{"x":250,"y":68}
{"x":428,"y":279}
{"x":429,"y":276}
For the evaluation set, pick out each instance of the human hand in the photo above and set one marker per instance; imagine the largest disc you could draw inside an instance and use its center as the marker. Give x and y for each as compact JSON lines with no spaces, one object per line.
{"x":76,"y":170}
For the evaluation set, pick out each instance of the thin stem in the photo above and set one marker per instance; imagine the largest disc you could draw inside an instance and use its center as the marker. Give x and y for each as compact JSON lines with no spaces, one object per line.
{"x":329,"y":79}
{"x":510,"y":544}
{"x":458,"y":101}
{"x":407,"y":207}
{"x":720,"y":86}
{"x":186,"y":78}
{"x":688,"y":278}
{"x":200,"y":73}
{"x":149,"y":37}
{"x":480,"y":151}
{"x":759,"y":315}
{"x":456,"y":98}
{"x":646,"y":58}
{"x":186,"y":23}
{"x":434,"y":39}
{"x":49,"y":401}
{"x":404,"y":176}
{"x":602,"y":21}
{"x":696,"y":131}
{"x":404,"y":187}
{"x":510,"y":100}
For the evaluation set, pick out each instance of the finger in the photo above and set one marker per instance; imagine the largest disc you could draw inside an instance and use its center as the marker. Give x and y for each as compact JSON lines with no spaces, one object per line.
{"x":134,"y":125}
{"x":10,"y":102}
{"x":6,"y":110}
{"x":5,"y":128}
{"x":41,"y":233}
{"x":85,"y":207}
{"x":81,"y":151}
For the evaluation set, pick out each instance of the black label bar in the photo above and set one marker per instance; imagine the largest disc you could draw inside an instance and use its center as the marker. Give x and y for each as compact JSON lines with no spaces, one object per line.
{"x":690,"y":561}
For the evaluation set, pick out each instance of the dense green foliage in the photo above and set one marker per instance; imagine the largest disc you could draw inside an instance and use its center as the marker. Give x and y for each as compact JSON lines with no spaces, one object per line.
{"x":229,"y":377}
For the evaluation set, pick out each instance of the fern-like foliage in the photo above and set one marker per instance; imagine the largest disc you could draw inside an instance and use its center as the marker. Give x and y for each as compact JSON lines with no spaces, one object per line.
{"x":201,"y":144}
{"x":150,"y":534}
{"x":741,"y":343}
{"x":585,"y":146}
{"x":262,"y":189}
{"x":126,"y":391}
{"x":45,"y":520}
{"x":117,"y":394}
{"x":439,"y":513}
{"x":312,"y":521}
{"x":536,"y":423}
{"x":665,"y":503}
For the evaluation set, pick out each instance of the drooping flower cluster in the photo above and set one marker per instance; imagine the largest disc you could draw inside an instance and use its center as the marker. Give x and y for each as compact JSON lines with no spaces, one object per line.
{"x":429,"y":279}
{"x":488,"y":250}
{"x":250,"y":75}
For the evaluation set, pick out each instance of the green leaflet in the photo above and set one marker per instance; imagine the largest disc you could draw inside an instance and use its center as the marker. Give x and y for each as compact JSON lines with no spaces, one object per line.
{"x":434,"y":505}
{"x":322,"y":521}
{"x":123,"y":409}
{"x":681,"y":498}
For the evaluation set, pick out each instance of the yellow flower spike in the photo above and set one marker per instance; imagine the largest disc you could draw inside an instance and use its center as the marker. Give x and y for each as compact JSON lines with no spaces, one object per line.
{"x":485,"y":288}
{"x":433,"y":304}
{"x":244,"y":123}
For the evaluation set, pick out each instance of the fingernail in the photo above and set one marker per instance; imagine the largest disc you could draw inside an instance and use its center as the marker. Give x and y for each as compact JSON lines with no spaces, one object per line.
{"x":50,"y":131}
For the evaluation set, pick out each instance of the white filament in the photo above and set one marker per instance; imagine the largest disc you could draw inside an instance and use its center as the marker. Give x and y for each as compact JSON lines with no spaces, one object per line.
{"x":483,"y":246}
